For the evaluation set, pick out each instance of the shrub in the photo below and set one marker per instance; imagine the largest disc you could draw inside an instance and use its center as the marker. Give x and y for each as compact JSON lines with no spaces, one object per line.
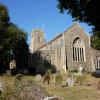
{"x":73,"y":71}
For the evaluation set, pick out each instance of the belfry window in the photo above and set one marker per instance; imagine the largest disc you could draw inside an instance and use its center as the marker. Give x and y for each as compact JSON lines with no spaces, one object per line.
{"x":39,"y":38}
{"x":78,"y":50}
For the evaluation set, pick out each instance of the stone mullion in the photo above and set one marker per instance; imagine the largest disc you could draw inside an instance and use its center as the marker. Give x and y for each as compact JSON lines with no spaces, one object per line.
{"x":75,"y":54}
{"x":81,"y":54}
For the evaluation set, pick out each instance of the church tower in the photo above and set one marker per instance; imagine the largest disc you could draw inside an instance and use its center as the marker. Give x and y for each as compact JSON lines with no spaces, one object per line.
{"x":37,"y":39}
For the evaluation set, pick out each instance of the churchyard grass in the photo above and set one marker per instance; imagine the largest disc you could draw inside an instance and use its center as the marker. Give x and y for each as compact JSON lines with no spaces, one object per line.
{"x":89,"y":92}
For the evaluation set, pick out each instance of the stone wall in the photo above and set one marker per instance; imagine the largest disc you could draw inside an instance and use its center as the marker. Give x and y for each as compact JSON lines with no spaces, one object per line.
{"x":60,"y":49}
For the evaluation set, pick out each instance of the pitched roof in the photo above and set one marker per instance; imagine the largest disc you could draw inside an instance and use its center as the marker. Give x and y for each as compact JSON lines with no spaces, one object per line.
{"x":56,"y":37}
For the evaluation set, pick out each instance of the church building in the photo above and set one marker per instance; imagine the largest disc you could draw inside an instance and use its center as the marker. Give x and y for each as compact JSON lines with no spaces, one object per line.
{"x":66,"y":51}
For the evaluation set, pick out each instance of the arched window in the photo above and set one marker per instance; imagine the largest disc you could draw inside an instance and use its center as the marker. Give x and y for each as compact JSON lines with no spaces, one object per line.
{"x":47,"y":61}
{"x":78,"y":50}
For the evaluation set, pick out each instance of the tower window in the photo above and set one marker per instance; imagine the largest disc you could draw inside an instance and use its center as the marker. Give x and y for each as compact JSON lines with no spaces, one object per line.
{"x":39,"y":38}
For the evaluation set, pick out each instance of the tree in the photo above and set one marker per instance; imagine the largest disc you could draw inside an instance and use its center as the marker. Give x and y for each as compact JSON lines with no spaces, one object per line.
{"x":83,"y":10}
{"x":95,"y":42}
{"x":19,"y":46}
{"x":4,"y":40}
{"x":13,"y":40}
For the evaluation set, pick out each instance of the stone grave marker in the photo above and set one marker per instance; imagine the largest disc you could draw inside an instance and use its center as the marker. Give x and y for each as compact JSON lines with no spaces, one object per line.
{"x":70,"y":81}
{"x":58,"y":80}
{"x":18,"y":78}
{"x":82,"y":80}
{"x":8,"y":72}
{"x":47,"y":76}
{"x":80,"y":70}
{"x":38,"y":77}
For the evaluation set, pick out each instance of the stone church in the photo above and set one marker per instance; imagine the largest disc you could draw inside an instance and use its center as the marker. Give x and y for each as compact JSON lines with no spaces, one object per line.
{"x":66,"y":51}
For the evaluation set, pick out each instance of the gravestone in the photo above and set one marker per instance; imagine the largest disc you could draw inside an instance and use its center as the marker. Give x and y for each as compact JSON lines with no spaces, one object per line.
{"x":70,"y":81}
{"x":1,"y":86}
{"x":25,"y":71}
{"x":8,"y":72}
{"x":80,"y":70}
{"x":47,"y":76}
{"x":58,"y":80}
{"x":18,"y":78}
{"x":82,"y":80}
{"x":38,"y":77}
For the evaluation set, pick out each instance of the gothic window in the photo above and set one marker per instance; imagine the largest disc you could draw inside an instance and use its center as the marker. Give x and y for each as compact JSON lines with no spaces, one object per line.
{"x":78,"y":50}
{"x":47,"y":61}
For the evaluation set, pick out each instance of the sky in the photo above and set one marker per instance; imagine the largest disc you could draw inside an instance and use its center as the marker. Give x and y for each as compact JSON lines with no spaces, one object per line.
{"x":27,"y":13}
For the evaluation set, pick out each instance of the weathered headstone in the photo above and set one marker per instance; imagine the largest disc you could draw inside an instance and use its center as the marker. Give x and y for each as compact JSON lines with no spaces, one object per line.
{"x":18,"y":78}
{"x":80,"y":70}
{"x":58,"y":80}
{"x":47,"y":76}
{"x":25,"y":71}
{"x":1,"y":86}
{"x":8,"y":72}
{"x":82,"y":80}
{"x":70,"y":81}
{"x":38,"y":77}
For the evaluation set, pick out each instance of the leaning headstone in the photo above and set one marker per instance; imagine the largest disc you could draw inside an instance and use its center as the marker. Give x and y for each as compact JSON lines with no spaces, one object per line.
{"x":38,"y":77}
{"x":8,"y":72}
{"x":18,"y":78}
{"x":58,"y":80}
{"x":47,"y":76}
